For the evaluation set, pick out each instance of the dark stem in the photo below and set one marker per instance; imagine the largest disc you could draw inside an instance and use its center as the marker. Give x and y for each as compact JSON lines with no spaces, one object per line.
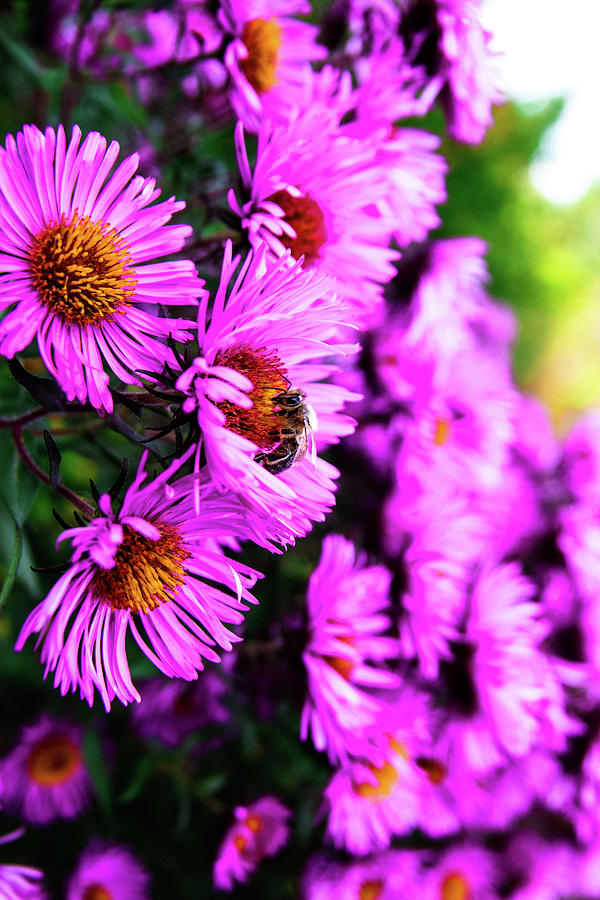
{"x":20,"y":421}
{"x":33,"y":467}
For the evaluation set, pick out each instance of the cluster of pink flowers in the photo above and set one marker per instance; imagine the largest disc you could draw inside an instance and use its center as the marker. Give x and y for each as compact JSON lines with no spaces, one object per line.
{"x":452,"y":648}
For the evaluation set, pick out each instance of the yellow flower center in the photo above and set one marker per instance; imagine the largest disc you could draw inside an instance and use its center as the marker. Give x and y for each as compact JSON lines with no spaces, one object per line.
{"x":96,"y":892}
{"x":455,"y":887}
{"x":53,"y":760}
{"x":260,"y":424}
{"x":146,"y":572}
{"x":82,"y":270}
{"x":386,"y":779}
{"x":262,"y":38}
{"x":306,"y":218}
{"x":372,"y":889}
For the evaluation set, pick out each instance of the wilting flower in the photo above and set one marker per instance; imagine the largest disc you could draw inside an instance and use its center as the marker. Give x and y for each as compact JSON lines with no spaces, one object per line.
{"x":171,"y":710}
{"x":77,"y":262}
{"x":157,"y":566}
{"x":45,"y":777}
{"x":316,"y":192}
{"x":259,"y":830}
{"x":107,"y":870}
{"x":269,"y":56}
{"x":259,"y":392}
{"x":346,"y":601}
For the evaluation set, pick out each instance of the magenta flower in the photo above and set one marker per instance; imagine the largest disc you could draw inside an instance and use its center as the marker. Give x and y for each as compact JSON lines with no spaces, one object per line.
{"x":260,"y":395}
{"x":45,"y":777}
{"x":171,"y":710}
{"x":21,"y":883}
{"x":446,"y":38}
{"x":260,"y":829}
{"x":385,"y":876}
{"x":517,"y":698}
{"x":370,"y":802}
{"x":268,"y":58}
{"x":156,"y":566}
{"x":317,"y":192}
{"x":106,"y":870}
{"x":77,"y":262}
{"x":582,"y":458}
{"x":346,"y":601}
{"x":415,"y":173}
{"x":462,"y":872}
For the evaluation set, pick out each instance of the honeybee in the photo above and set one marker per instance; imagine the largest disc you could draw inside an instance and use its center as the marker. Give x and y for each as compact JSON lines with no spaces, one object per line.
{"x":298,"y":422}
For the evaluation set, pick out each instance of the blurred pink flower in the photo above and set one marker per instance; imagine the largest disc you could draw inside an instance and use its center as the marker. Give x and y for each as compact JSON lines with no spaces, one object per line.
{"x":260,"y":829}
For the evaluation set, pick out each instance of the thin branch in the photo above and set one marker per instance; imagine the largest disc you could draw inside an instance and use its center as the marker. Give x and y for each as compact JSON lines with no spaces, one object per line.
{"x":33,"y":467}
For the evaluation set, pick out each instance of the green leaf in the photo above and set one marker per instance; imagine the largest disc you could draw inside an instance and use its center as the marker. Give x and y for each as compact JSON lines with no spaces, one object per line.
{"x":141,"y":774}
{"x":13,"y":567}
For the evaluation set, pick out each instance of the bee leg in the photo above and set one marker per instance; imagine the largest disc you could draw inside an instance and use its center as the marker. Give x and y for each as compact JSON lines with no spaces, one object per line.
{"x":280,"y":459}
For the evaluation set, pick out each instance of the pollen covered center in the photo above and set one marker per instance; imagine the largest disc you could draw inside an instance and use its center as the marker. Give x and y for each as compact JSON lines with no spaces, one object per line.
{"x":455,"y":887}
{"x":96,"y":892}
{"x":386,"y":778}
{"x":53,"y":760}
{"x":82,"y":270}
{"x":372,"y":889}
{"x":261,"y":423}
{"x":306,"y":218}
{"x":262,"y":38}
{"x":146,"y":572}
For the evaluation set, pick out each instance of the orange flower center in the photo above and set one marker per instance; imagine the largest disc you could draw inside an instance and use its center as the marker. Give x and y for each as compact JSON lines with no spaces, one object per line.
{"x":455,"y":887}
{"x":372,"y":889}
{"x":240,"y":842}
{"x":307,"y":219}
{"x":254,"y":823}
{"x":146,"y":572}
{"x":436,"y":770}
{"x":386,"y":779}
{"x":53,"y":760}
{"x":82,"y":270}
{"x":260,"y":424}
{"x":262,"y":38}
{"x":96,"y":892}
{"x":441,"y":431}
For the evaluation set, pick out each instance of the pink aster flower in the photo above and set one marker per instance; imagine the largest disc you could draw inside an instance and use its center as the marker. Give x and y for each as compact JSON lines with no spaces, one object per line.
{"x":385,"y":876}
{"x":260,"y":829}
{"x":463,"y":871}
{"x":371,"y":802}
{"x":45,"y":777}
{"x":78,"y":270}
{"x":260,"y":394}
{"x":318,"y":193}
{"x":446,"y":38}
{"x":21,"y":883}
{"x":346,"y":601}
{"x":543,"y":870}
{"x":582,"y":458}
{"x":517,"y":696}
{"x":172,"y":710}
{"x":153,"y":567}
{"x":414,"y":171}
{"x":269,"y":56}
{"x":106,"y":870}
